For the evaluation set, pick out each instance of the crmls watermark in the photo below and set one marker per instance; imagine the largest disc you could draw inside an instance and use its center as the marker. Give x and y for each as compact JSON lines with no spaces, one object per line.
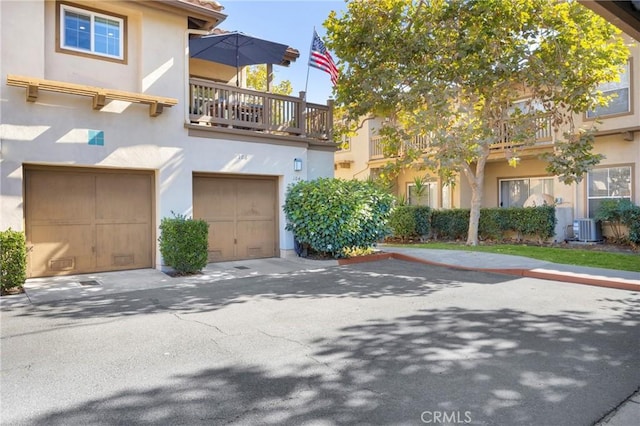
{"x":446,"y":417}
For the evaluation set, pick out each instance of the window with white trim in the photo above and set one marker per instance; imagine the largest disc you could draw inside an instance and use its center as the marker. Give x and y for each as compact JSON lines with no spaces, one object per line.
{"x":429,"y":196}
{"x":514,"y":192}
{"x":91,"y":32}
{"x":620,"y":93}
{"x":606,"y":184}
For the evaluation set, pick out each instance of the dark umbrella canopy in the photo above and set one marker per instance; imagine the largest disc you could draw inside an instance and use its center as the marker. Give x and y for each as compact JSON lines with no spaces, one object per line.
{"x":236,"y":49}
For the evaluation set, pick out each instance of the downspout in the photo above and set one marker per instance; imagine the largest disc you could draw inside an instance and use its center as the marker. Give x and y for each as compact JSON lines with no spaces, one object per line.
{"x":187,"y":95}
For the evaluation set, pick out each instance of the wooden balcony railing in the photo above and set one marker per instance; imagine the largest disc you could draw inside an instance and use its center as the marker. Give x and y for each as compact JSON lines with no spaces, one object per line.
{"x":544,"y":136}
{"x":223,"y":105}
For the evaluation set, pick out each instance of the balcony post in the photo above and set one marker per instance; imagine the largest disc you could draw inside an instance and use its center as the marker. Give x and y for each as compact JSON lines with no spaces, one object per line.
{"x":329,"y":123}
{"x":302,"y":113}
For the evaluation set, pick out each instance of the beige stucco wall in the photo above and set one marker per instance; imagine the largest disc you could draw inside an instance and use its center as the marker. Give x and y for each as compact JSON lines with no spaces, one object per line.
{"x":54,"y":129}
{"x":358,"y":153}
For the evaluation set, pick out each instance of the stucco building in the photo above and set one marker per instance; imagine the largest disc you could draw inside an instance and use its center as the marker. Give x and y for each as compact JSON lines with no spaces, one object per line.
{"x":109,"y":125}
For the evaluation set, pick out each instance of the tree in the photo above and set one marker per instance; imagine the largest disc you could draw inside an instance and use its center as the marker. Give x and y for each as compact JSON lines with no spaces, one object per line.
{"x":257,"y":79}
{"x":450,"y":70}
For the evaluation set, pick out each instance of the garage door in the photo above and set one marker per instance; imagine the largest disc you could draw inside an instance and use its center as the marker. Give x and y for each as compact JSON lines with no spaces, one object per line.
{"x":83,"y":220}
{"x":241,"y":213}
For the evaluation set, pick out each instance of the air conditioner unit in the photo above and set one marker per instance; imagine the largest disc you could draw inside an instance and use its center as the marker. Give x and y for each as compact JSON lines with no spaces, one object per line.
{"x":587,"y":230}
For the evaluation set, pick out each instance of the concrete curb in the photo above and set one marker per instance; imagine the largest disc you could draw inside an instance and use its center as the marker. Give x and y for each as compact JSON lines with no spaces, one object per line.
{"x":545,"y":274}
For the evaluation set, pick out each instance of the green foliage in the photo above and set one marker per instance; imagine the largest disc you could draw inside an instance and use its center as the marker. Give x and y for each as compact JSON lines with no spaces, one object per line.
{"x":618,"y":213}
{"x":331,"y":215}
{"x":537,"y":222}
{"x":410,"y":221}
{"x":13,"y":259}
{"x":403,"y":222}
{"x":493,"y":224}
{"x":357,"y":251}
{"x":451,"y":224}
{"x":257,"y":79}
{"x":451,"y":70}
{"x":183,"y":243}
{"x":422,"y":215}
{"x":631,"y":218}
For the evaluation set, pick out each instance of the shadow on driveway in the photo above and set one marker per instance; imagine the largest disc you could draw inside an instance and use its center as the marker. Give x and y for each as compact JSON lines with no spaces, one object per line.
{"x":365,"y":281}
{"x":493,"y":366}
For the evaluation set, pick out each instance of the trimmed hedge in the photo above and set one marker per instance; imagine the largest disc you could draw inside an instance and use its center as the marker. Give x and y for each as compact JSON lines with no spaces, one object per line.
{"x":618,"y":213}
{"x":495,"y":223}
{"x":334,"y":215}
{"x":451,"y":224}
{"x":184,"y":243}
{"x":13,"y":259}
{"x":410,"y":221}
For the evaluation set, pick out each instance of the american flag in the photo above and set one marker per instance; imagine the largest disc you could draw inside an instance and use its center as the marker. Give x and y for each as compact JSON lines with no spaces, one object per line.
{"x":321,"y":58}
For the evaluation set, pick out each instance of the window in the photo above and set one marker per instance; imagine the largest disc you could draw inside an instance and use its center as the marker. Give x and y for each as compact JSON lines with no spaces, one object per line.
{"x":606,"y":184}
{"x":620,"y":92}
{"x":514,"y":192}
{"x":429,"y":196}
{"x":83,"y":31}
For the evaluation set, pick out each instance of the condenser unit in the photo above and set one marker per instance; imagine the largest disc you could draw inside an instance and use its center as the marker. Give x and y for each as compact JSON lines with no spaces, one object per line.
{"x":587,"y":230}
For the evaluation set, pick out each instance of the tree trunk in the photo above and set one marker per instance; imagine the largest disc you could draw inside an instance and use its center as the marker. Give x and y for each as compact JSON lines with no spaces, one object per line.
{"x":476,"y":181}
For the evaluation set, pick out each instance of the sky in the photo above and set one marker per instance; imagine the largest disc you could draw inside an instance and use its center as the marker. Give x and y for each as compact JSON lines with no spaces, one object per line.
{"x":289,"y":22}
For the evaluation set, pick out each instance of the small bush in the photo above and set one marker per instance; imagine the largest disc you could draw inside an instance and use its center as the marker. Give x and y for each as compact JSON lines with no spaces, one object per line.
{"x":331,"y":215}
{"x":631,"y":219}
{"x":618,"y":213}
{"x":423,"y":220}
{"x":402,"y":222}
{"x":183,"y":243}
{"x":410,"y":221}
{"x":13,"y":259}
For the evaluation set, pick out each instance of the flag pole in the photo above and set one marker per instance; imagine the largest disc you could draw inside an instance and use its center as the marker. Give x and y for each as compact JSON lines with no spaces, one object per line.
{"x":306,"y":85}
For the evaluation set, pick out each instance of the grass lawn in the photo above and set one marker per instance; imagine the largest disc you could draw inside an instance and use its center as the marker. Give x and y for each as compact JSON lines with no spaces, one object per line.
{"x":569,"y":256}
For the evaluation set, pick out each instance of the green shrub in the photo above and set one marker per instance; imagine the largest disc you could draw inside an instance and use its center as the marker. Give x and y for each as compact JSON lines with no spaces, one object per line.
{"x":451,"y":224}
{"x":423,"y":220}
{"x":617,"y":213}
{"x":410,"y":221}
{"x":538,"y":222}
{"x":331,"y":215}
{"x":493,"y":224}
{"x":183,"y":243}
{"x":13,"y":259}
{"x":631,"y":219}
{"x":402,"y":222}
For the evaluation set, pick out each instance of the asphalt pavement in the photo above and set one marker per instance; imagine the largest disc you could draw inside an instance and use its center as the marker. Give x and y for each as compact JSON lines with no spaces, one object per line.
{"x":292,"y":341}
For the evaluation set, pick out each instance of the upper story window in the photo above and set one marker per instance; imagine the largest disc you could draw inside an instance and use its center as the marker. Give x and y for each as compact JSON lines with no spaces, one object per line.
{"x":85,"y":31}
{"x":620,"y":93}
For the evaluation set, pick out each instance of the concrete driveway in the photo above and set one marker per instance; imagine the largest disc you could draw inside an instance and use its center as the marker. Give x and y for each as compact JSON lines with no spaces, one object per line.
{"x":388,"y":342}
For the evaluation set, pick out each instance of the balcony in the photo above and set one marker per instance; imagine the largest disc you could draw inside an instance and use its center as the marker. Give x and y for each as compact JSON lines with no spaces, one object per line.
{"x":544,"y":141}
{"x":221,"y":105}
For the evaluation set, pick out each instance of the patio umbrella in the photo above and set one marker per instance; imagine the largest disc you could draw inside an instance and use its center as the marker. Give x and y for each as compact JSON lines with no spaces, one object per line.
{"x":236,"y":49}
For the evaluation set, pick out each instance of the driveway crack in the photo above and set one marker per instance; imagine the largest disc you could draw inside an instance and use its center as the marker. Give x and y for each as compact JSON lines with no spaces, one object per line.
{"x":201,"y":323}
{"x":304,"y":345}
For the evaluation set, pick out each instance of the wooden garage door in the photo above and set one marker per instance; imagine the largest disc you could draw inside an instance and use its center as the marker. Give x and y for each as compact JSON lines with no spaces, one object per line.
{"x":80,"y":221}
{"x":241,"y":213}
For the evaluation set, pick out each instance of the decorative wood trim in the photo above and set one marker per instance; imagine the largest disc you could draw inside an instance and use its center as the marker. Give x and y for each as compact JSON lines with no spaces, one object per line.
{"x":99,"y":94}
